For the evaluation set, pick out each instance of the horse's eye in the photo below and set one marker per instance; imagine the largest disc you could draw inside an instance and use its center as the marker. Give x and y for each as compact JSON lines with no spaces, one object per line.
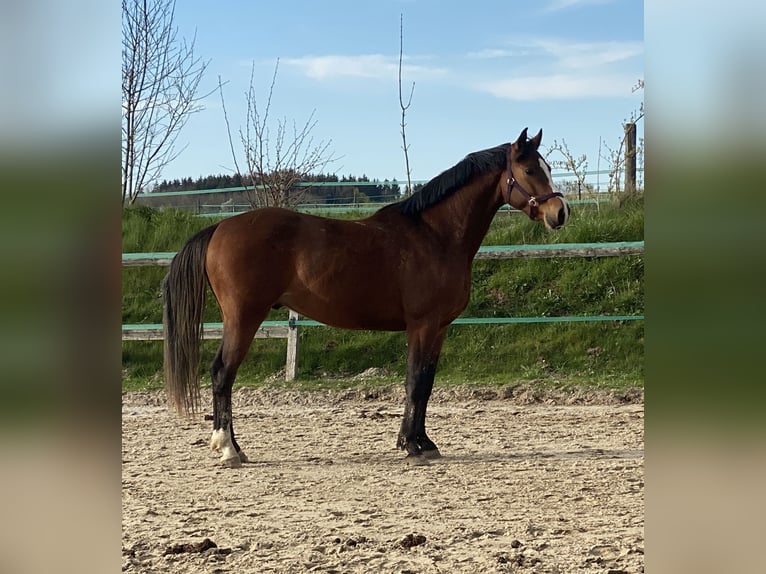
{"x":528,"y":170}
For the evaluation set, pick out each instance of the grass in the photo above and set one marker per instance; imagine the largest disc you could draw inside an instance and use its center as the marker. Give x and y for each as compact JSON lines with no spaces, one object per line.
{"x":584,"y":355}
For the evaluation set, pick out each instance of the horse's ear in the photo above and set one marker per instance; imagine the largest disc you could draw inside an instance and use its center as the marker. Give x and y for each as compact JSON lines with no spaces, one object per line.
{"x":520,"y":145}
{"x":535,"y":141}
{"x":522,"y":141}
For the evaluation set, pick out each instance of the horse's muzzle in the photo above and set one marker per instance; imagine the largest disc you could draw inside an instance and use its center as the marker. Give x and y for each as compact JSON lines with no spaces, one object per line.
{"x":558,"y":220}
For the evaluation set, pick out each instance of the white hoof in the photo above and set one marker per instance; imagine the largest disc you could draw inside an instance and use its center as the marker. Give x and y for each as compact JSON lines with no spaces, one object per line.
{"x":221,"y":441}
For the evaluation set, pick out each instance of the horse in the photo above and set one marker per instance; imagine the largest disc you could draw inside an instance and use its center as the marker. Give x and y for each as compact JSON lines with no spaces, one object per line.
{"x":406,"y":267}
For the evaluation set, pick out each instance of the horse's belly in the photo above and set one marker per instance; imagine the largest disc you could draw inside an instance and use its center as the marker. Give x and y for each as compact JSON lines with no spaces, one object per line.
{"x":347,"y":311}
{"x":349,"y":318}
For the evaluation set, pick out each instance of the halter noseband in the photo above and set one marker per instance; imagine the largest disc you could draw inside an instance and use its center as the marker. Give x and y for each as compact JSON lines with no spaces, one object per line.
{"x":532,"y":201}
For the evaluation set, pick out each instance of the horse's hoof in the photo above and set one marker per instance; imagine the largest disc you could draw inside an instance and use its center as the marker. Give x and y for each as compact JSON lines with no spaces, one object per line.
{"x":416,"y":460}
{"x":233,"y":462}
{"x":243,"y":456}
{"x":432,"y":454}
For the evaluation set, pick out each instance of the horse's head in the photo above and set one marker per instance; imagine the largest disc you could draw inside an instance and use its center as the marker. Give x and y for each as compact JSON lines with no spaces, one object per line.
{"x":528,"y":185}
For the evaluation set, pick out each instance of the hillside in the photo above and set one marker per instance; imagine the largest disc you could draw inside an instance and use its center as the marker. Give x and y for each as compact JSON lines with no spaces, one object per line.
{"x":592,"y":354}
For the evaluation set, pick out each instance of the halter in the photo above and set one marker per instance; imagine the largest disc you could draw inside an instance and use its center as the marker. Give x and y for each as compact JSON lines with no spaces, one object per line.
{"x":532,"y":201}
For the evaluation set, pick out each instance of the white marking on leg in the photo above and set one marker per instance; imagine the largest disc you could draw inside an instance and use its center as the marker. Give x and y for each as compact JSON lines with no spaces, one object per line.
{"x":221,"y":441}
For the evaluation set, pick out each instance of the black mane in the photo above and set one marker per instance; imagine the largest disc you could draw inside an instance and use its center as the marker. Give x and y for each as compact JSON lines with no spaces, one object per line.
{"x":452,"y":179}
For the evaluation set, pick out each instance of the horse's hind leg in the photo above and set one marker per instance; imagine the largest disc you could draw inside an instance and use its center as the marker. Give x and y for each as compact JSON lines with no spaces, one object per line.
{"x":424,"y":347}
{"x":237,"y":337}
{"x":222,"y":385}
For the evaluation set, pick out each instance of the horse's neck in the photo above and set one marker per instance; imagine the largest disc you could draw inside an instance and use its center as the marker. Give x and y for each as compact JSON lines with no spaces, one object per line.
{"x":465,"y":216}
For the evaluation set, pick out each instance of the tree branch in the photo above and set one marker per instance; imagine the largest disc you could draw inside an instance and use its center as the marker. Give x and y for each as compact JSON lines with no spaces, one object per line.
{"x":277,"y":163}
{"x":160,"y":82}
{"x":404,"y":106}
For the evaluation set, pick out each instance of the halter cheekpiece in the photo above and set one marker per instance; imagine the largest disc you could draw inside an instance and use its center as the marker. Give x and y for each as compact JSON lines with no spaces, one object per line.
{"x":532,"y":201}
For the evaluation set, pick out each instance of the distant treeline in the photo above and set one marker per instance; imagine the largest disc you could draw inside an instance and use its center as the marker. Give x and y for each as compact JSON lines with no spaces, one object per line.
{"x":368,"y":190}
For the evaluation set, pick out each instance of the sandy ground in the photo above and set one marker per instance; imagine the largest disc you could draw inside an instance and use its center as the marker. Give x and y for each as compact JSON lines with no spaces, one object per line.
{"x":523,"y":486}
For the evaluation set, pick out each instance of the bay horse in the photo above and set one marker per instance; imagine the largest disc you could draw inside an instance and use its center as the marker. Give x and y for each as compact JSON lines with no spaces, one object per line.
{"x":407,"y":267}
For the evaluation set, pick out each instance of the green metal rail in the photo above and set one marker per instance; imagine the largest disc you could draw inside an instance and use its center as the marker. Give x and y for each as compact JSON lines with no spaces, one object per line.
{"x":545,"y":250}
{"x":485,"y":252}
{"x":458,"y":321}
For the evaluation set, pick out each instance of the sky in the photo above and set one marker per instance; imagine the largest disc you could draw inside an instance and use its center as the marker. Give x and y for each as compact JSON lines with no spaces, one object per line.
{"x":482,"y":72}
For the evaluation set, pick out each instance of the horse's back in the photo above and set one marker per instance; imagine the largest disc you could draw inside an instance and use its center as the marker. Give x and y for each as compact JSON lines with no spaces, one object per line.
{"x":344,"y":273}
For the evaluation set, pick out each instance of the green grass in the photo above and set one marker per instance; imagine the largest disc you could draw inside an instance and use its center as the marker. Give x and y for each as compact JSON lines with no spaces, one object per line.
{"x":591,"y":355}
{"x":147,"y":230}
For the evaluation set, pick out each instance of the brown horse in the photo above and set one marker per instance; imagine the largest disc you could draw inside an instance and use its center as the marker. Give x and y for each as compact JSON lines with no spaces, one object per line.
{"x":407,"y":268}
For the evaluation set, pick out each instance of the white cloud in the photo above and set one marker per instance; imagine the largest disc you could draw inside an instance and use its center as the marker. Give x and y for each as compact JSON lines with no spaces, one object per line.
{"x":552,"y":68}
{"x":490,"y":53}
{"x":563,"y":53}
{"x":359,"y":66}
{"x":588,"y":54}
{"x":560,"y":87}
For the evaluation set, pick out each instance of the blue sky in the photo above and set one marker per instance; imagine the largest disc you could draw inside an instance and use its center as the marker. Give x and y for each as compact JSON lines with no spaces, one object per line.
{"x":482,"y":72}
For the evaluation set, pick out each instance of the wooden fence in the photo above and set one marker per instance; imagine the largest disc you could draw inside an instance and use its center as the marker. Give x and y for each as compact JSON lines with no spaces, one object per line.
{"x":290,"y":329}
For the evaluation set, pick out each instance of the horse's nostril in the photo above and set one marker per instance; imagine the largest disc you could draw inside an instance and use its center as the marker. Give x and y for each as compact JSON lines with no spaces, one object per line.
{"x":562,"y":216}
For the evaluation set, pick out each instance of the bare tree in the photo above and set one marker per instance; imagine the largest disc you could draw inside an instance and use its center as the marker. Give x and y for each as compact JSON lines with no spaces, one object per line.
{"x":277,"y":156}
{"x":404,"y":107}
{"x":160,"y":79}
{"x":576,"y":165}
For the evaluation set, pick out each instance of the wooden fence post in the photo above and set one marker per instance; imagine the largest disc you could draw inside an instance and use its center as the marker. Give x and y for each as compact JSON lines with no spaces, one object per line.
{"x":630,"y":157}
{"x":293,"y":340}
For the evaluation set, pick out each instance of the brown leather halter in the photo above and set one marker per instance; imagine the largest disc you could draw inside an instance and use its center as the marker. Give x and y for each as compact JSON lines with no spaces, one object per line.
{"x":532,"y":201}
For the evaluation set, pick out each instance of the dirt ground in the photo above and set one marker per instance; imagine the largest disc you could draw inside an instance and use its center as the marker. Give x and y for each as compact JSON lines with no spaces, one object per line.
{"x":525,"y":485}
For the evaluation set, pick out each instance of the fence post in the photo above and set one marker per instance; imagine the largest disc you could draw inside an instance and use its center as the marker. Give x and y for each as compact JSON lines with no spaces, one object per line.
{"x":293,"y":340}
{"x":630,"y":157}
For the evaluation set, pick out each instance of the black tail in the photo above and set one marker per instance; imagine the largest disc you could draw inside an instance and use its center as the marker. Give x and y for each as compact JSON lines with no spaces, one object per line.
{"x":183,"y":291}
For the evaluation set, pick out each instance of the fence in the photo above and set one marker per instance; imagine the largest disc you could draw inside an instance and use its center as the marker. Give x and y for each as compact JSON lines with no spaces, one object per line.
{"x":361,"y":194}
{"x":290,"y":329}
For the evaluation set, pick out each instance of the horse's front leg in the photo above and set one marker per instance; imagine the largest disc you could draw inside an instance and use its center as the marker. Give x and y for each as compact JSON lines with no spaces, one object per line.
{"x":424,"y":346}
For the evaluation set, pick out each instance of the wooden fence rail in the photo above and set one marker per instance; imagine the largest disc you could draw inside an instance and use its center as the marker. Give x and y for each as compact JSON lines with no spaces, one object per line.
{"x":291,"y":329}
{"x":268,"y":330}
